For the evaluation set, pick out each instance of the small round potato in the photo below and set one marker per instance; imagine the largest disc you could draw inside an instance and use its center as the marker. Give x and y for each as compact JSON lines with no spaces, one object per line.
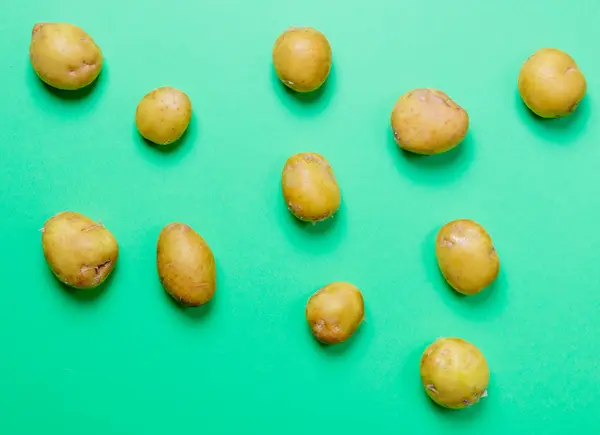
{"x":466,"y":256}
{"x":186,"y":265}
{"x":335,"y":312}
{"x":427,"y":121}
{"x":454,"y":373}
{"x":64,"y":56}
{"x":80,"y":252}
{"x":163,"y":115}
{"x":551,"y":84}
{"x":310,"y":189}
{"x":302,"y":58}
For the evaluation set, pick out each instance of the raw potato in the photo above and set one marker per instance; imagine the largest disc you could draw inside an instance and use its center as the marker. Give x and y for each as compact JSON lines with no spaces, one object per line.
{"x":310,"y":189}
{"x":466,"y":256}
{"x":427,"y":121}
{"x":163,"y":115}
{"x":80,"y":252}
{"x":302,"y":58}
{"x":335,"y":312}
{"x":64,"y":56}
{"x":186,"y":265}
{"x":551,"y":84}
{"x":454,"y":373}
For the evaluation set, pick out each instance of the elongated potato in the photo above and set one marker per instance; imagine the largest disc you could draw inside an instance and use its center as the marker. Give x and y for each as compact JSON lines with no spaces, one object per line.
{"x":302,"y":58}
{"x":310,"y":188}
{"x":551,"y":84}
{"x":186,"y":265}
{"x":466,"y":256}
{"x":163,"y":115}
{"x":335,"y":312}
{"x":80,"y":252}
{"x":427,"y":121}
{"x":454,"y":373}
{"x":64,"y":56}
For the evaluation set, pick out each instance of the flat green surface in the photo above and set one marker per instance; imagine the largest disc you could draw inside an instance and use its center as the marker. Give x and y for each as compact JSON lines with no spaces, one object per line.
{"x":126,"y":360}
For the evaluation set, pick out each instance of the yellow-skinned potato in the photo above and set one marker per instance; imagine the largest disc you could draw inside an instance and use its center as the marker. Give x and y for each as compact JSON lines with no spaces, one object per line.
{"x":551,"y":84}
{"x":302,"y":58}
{"x":427,"y":121}
{"x":335,"y":312}
{"x":466,"y":256}
{"x":64,"y":56}
{"x":163,"y":115}
{"x":80,"y":252}
{"x":186,"y":265}
{"x":454,"y":373}
{"x":309,"y":186}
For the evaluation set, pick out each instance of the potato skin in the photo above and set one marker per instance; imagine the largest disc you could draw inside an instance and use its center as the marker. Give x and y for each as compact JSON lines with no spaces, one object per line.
{"x":466,"y":256}
{"x":309,"y":187}
{"x":551,"y":84}
{"x":186,"y":265}
{"x":302,"y":58}
{"x":427,"y":121}
{"x":80,"y":252}
{"x":163,"y":115}
{"x":64,"y":56}
{"x":335,"y":312}
{"x":454,"y":373}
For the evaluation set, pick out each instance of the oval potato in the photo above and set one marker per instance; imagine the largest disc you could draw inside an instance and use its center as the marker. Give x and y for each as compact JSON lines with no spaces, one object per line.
{"x":302,"y":58}
{"x":466,"y":256}
{"x":186,"y":265}
{"x":335,"y":312}
{"x":310,"y":188}
{"x":80,"y":252}
{"x":163,"y":115}
{"x":551,"y":84}
{"x":427,"y":121}
{"x":64,"y":56}
{"x":454,"y":373}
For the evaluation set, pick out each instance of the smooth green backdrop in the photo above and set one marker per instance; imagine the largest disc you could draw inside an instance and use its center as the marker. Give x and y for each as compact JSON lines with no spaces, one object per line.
{"x":126,"y":360}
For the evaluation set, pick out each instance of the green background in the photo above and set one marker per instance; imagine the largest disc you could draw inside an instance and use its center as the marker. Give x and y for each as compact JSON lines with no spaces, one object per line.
{"x":126,"y":360}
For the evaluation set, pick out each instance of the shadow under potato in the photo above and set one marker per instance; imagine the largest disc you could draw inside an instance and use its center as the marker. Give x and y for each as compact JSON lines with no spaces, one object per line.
{"x":83,"y":295}
{"x":434,"y":168}
{"x":195,"y":313}
{"x":339,"y":349}
{"x":559,"y":130}
{"x":317,"y":99}
{"x":180,"y":147}
{"x":321,"y":227}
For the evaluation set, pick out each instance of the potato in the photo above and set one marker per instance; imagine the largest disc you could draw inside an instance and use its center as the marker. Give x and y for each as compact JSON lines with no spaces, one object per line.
{"x":454,"y":373}
{"x":551,"y":84}
{"x":163,"y":115}
{"x":80,"y":252}
{"x":427,"y":121}
{"x":186,"y":265}
{"x":302,"y":58}
{"x":310,"y":189}
{"x":64,"y":56}
{"x":335,"y":312}
{"x":466,"y":256}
